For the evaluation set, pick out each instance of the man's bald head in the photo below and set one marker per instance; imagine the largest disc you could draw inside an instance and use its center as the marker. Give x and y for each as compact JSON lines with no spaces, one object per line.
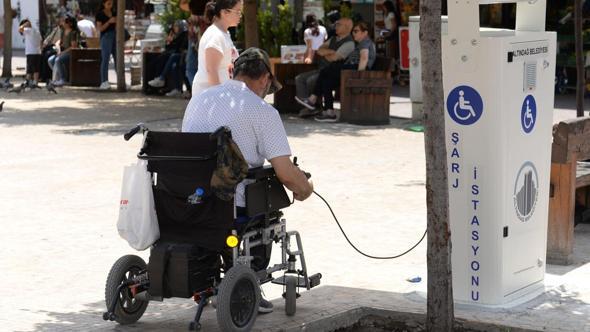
{"x":343,"y":27}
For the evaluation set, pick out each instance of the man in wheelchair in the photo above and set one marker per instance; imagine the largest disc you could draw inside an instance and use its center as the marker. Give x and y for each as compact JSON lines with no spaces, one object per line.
{"x":213,"y":196}
{"x":256,"y":128}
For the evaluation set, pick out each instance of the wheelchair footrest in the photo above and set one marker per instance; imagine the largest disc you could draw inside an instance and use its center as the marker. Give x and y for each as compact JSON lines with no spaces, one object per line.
{"x":314,"y":280}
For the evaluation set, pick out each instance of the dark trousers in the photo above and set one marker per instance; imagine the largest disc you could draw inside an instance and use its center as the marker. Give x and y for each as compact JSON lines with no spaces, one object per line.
{"x":170,"y":64}
{"x":328,"y":81}
{"x":45,"y":74}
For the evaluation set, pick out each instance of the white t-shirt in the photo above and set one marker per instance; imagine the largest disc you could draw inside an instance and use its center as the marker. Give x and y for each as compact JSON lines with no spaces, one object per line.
{"x":87,"y":27}
{"x":316,"y":41}
{"x":221,"y":41}
{"x":32,"y":41}
{"x":255,"y":126}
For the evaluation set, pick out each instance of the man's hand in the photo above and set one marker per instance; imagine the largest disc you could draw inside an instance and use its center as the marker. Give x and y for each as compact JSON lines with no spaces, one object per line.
{"x":307,"y":61}
{"x":304,"y":196}
{"x":292,"y":177}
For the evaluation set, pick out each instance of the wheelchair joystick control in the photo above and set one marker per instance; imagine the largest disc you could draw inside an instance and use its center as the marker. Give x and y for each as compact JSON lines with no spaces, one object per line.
{"x":197,"y":197}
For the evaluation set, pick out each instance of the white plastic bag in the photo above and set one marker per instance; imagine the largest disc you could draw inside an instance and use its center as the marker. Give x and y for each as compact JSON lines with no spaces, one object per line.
{"x":138,"y":222}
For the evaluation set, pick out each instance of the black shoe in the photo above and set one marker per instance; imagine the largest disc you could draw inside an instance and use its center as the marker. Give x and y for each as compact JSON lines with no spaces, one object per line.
{"x":265,"y":306}
{"x":326,"y":117}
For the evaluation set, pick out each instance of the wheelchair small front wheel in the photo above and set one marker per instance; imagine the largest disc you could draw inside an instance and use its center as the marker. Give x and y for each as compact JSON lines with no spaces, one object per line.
{"x":128,"y":309}
{"x":290,"y":295}
{"x":238,"y":298}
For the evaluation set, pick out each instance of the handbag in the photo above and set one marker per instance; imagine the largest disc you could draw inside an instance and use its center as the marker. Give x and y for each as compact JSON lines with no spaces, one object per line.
{"x":138,"y":222}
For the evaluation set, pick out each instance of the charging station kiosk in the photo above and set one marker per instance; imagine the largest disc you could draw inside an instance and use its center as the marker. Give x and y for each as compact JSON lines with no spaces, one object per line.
{"x":416,"y":63}
{"x":499,"y":108}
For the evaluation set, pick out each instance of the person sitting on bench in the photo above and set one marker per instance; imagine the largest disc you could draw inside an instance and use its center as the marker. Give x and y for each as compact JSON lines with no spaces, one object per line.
{"x":362,"y":58}
{"x":335,"y":50}
{"x":169,"y":61}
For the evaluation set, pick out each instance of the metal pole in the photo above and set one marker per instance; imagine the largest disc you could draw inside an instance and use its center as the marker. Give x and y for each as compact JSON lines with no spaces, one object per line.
{"x":580,"y":77}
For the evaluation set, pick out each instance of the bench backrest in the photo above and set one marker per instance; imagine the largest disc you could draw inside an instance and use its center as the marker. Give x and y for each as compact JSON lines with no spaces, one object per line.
{"x":571,"y":140}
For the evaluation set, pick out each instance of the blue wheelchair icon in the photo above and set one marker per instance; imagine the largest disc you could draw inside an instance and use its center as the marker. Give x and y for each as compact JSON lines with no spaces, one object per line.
{"x":464,"y":105}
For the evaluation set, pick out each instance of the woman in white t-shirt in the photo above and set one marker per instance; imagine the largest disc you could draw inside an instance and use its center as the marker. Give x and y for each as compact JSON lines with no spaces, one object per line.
{"x":314,"y":36}
{"x":216,"y":49}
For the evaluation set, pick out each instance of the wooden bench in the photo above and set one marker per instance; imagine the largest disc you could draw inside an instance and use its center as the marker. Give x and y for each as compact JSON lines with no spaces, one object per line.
{"x":85,"y":67}
{"x":364,"y":95}
{"x":284,"y":99}
{"x":571,"y":143}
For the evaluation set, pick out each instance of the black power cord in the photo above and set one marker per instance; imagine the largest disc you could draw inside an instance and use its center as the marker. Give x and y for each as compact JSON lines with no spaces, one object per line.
{"x":355,"y":248}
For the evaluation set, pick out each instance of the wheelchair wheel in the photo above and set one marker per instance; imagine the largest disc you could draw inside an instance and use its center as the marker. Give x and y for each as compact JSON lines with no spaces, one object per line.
{"x":128,"y":309}
{"x":290,"y":295}
{"x":238,"y":298}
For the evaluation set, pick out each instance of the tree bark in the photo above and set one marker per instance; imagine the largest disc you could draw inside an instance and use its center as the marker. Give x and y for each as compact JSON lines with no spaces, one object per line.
{"x":120,"y":30}
{"x":580,"y":77}
{"x":440,"y":311}
{"x":250,"y":24}
{"x":7,"y":52}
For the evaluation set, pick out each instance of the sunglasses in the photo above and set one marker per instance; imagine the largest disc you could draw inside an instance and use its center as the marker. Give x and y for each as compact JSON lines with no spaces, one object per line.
{"x":235,"y":11}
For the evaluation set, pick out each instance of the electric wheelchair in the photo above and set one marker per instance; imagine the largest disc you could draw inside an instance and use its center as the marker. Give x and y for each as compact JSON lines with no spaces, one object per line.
{"x":203,"y":251}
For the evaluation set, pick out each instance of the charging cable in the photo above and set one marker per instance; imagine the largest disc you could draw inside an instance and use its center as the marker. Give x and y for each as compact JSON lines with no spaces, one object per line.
{"x":359,"y":251}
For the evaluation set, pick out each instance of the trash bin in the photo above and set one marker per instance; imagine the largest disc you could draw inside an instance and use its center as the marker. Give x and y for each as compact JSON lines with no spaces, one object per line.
{"x":499,"y":110}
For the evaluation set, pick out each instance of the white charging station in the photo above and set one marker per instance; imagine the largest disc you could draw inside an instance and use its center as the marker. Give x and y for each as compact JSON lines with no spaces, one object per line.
{"x":499,"y":91}
{"x":416,"y":63}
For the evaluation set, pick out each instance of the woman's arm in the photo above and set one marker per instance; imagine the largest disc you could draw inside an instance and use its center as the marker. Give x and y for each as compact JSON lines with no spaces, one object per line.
{"x":103,"y":26}
{"x":212,"y":61}
{"x":364,"y":60}
{"x":308,"y":52}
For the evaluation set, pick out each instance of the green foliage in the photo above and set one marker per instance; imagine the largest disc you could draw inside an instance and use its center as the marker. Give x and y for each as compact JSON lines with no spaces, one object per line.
{"x":345,"y":11}
{"x":274,"y":31}
{"x":172,"y":14}
{"x":265,"y":35}
{"x":284,"y":28}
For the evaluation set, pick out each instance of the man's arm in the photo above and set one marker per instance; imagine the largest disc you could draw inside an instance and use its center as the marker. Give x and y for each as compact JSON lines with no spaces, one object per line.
{"x":292,"y":177}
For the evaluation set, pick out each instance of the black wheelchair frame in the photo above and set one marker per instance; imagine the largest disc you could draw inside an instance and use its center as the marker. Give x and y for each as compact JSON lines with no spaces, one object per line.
{"x":127,"y":290}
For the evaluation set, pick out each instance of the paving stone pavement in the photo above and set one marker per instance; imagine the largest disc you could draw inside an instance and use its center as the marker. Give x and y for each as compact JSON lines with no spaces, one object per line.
{"x":61,"y":162}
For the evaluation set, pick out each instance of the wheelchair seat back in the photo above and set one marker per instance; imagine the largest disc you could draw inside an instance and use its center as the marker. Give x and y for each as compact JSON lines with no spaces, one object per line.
{"x":183,"y":164}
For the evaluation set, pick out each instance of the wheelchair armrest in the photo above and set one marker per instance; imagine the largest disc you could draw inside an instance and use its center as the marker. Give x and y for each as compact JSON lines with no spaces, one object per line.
{"x":262,"y":172}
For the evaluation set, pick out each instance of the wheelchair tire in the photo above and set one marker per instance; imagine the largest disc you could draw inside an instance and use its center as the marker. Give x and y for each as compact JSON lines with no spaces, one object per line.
{"x":238,"y":298}
{"x":290,"y":295}
{"x":128,"y":309}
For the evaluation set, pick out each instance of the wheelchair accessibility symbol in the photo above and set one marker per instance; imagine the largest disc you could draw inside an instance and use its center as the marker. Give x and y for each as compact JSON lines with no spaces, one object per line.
{"x":464,"y":105}
{"x":528,"y":114}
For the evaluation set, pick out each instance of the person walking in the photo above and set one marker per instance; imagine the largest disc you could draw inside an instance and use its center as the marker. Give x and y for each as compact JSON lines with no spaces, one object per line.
{"x":216,"y":49}
{"x":106,"y":20}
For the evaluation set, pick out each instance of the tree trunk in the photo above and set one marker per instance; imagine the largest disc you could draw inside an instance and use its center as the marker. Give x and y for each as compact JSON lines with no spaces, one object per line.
{"x":440,"y":312}
{"x":250,"y":24}
{"x":121,"y":46}
{"x":7,"y":52}
{"x":580,"y":77}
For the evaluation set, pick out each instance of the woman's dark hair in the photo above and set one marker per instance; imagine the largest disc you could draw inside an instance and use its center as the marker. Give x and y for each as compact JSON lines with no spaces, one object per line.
{"x":389,"y":6}
{"x":71,"y":20}
{"x":101,"y":7}
{"x":213,"y":8}
{"x":24,"y":21}
{"x":362,"y":25}
{"x":312,"y":23}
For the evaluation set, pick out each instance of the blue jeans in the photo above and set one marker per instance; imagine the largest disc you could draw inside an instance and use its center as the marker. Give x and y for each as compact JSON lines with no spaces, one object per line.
{"x":191,"y":63}
{"x":108,"y":47}
{"x":58,"y":63}
{"x":171,"y":67}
